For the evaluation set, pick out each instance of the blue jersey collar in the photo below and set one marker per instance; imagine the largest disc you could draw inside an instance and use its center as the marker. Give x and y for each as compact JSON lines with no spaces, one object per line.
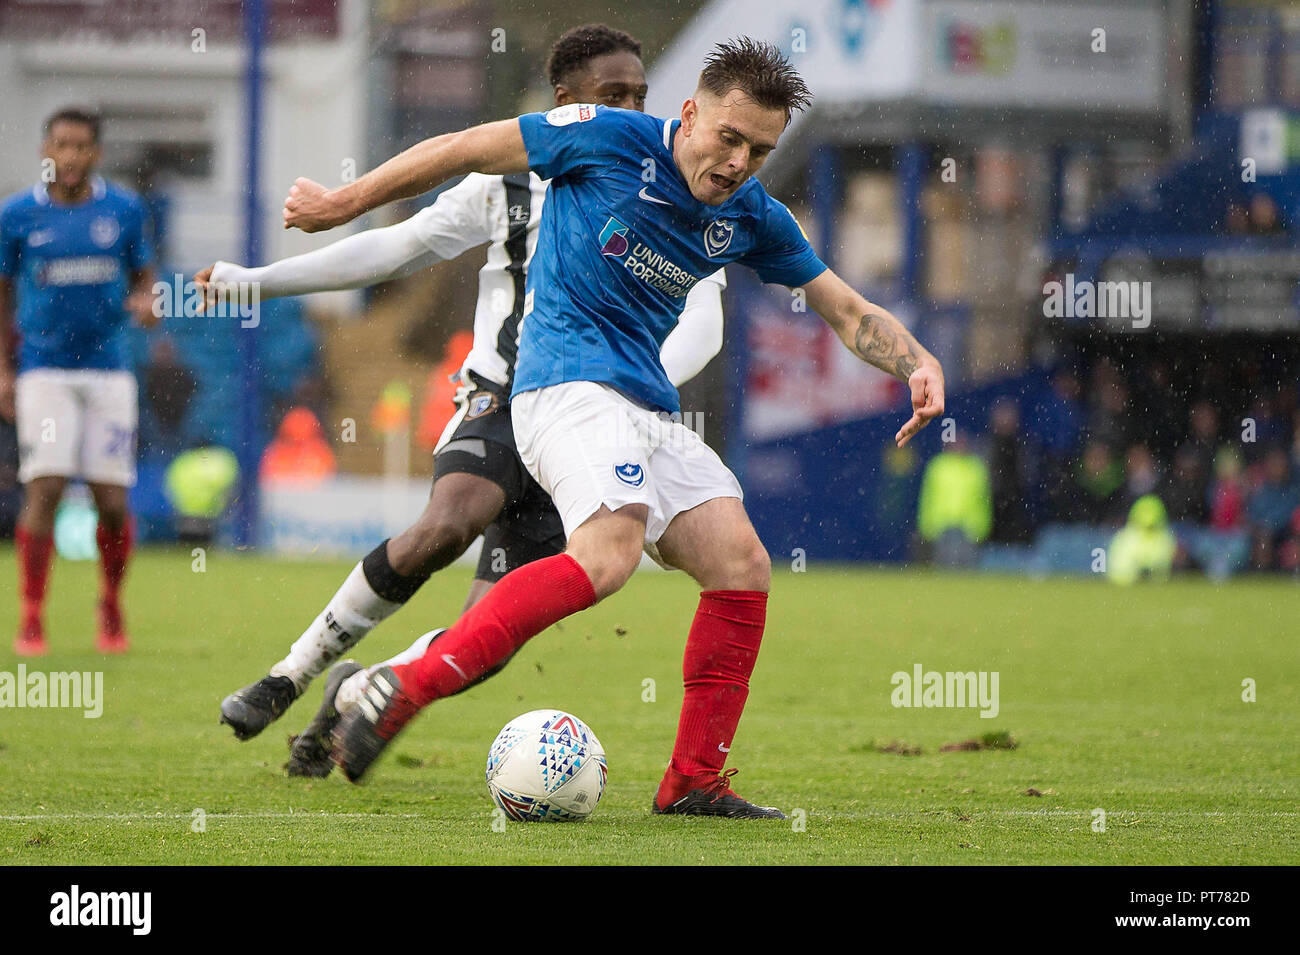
{"x":41,"y":191}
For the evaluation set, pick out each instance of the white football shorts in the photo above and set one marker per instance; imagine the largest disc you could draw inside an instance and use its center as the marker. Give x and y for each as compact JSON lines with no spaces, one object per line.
{"x":588,"y":444}
{"x":77,"y":423}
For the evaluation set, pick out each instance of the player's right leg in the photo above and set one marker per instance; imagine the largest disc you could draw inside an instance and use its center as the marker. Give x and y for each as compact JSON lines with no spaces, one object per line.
{"x":529,"y":529}
{"x":476,"y":473}
{"x":460,"y":507}
{"x":48,"y":418}
{"x":582,"y":444}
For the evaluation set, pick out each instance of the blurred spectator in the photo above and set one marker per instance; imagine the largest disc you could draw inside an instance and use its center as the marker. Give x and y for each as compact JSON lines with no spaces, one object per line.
{"x":1109,"y":420}
{"x":1228,"y":493}
{"x":1265,"y":219}
{"x":1141,"y":477}
{"x":1144,"y":547}
{"x":955,"y":509}
{"x":1058,"y":416}
{"x":168,"y":387}
{"x":1269,"y":429}
{"x":1236,"y":220}
{"x":1271,"y":506}
{"x":299,"y":453}
{"x":1163,"y":423}
{"x":1098,"y":478}
{"x":1187,"y":487}
{"x":1008,"y":466}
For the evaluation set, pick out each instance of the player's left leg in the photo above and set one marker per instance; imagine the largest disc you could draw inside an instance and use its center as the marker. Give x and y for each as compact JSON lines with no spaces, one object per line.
{"x":709,"y":536}
{"x":108,"y":466}
{"x":715,"y":543}
{"x":115,"y":537}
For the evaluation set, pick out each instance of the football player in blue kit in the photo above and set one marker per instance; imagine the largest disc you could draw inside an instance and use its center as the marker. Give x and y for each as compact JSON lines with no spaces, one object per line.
{"x":640,"y":209}
{"x":76,"y":250}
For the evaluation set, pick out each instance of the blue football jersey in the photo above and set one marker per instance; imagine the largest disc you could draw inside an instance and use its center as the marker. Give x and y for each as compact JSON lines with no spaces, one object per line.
{"x":71,"y":266}
{"x":622,"y":241}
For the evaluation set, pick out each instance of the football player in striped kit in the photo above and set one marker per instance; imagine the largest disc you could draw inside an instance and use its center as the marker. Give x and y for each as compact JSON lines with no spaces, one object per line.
{"x":480,"y":484}
{"x":77,"y":251}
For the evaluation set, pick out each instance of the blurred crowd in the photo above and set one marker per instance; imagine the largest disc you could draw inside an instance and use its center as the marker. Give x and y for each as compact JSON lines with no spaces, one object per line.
{"x":1099,"y":441}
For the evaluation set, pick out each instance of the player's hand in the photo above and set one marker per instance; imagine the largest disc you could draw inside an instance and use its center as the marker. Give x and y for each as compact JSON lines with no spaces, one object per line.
{"x":140,"y":304}
{"x":927,"y":400}
{"x":203,"y":281}
{"x":313,"y":208}
{"x":7,"y":383}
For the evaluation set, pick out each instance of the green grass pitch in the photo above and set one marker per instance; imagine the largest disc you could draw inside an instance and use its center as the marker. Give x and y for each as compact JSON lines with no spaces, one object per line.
{"x":1128,"y":701}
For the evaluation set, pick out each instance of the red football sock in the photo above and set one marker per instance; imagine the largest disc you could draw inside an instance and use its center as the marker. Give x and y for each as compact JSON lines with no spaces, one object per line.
{"x":114,"y":552}
{"x":720,"y":653}
{"x":34,"y":556}
{"x":522,"y":604}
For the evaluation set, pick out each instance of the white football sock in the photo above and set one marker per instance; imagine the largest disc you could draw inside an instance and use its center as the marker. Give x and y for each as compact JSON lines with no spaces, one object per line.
{"x":351,"y":614}
{"x":350,"y":690}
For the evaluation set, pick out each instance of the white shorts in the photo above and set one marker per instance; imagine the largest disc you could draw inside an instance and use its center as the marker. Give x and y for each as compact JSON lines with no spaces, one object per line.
{"x":587,"y":444}
{"x":77,"y":423}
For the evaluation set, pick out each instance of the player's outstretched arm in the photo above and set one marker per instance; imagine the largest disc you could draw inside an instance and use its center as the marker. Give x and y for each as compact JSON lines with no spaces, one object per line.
{"x":458,"y":221}
{"x":493,"y":148}
{"x":877,"y":337}
{"x":367,"y":258}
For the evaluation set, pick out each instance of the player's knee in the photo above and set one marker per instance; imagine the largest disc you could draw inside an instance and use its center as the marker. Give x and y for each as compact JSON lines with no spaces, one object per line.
{"x":113,"y":516}
{"x":753,"y":570}
{"x":441,"y":540}
{"x":610,"y":566}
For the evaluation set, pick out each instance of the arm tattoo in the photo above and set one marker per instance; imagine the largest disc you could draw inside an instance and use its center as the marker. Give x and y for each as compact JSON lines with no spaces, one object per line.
{"x":885,"y":348}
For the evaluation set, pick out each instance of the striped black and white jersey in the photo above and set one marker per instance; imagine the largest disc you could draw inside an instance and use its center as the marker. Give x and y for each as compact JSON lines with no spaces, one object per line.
{"x":503,"y":211}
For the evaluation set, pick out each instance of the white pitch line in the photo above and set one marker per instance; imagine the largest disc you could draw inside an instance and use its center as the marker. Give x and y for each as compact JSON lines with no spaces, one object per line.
{"x":919,"y":815}
{"x":304,"y":814}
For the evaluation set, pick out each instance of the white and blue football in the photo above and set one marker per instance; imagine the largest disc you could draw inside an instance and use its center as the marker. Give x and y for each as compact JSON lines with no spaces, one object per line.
{"x":546,"y":765}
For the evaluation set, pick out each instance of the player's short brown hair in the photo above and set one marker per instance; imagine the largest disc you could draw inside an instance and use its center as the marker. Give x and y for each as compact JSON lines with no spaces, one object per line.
{"x":579,"y":46}
{"x":74,"y":114}
{"x":757,"y":69}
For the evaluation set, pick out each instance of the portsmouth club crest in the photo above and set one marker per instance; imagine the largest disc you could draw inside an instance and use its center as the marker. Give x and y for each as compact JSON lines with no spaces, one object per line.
{"x":104,"y":231}
{"x":717,"y":236}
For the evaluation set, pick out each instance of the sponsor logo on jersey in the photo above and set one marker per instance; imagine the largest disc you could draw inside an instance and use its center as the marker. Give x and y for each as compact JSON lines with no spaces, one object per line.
{"x":653,"y":268}
{"x":613,"y":238}
{"x":104,"y":231}
{"x":78,"y":270}
{"x":717,"y":236}
{"x":571,"y":113}
{"x":39,"y":237}
{"x":633,"y":475}
{"x":480,"y":403}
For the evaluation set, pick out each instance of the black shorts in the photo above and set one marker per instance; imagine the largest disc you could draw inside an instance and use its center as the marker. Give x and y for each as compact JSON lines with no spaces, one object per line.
{"x":483,"y":444}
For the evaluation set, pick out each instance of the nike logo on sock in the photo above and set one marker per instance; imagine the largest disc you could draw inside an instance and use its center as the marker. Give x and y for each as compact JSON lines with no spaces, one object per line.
{"x":448,"y":659}
{"x":723,"y":749}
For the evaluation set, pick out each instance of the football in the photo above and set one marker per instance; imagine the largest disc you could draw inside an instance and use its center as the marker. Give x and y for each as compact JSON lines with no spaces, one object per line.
{"x":546,"y":766}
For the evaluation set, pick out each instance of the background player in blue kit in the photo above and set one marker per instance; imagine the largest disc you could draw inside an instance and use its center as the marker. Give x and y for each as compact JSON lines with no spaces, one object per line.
{"x":618,"y":252}
{"x":75,"y":258}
